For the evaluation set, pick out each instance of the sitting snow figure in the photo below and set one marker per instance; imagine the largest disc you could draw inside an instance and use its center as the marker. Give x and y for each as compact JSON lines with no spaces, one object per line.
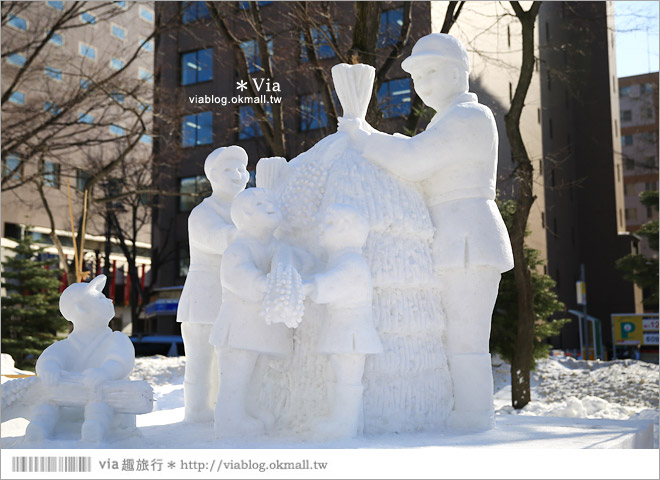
{"x":240,"y":333}
{"x":210,"y":231}
{"x":90,"y":357}
{"x":348,"y":333}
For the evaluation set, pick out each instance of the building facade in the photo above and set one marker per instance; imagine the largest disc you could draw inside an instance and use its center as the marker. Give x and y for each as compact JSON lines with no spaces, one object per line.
{"x":77,"y":93}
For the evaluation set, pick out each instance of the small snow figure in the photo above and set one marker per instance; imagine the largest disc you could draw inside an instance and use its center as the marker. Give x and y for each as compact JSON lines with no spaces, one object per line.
{"x":210,"y":231}
{"x":348,"y":333}
{"x":240,"y":333}
{"x":90,"y":357}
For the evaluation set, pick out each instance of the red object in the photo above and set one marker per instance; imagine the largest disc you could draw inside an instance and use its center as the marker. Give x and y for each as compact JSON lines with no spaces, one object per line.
{"x":127,"y":287}
{"x":65,"y":282}
{"x":142,"y":283}
{"x":113,"y":280}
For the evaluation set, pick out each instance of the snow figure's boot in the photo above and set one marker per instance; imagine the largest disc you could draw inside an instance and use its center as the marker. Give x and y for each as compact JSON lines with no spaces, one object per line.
{"x":44,"y":418}
{"x":98,"y":417}
{"x":472,"y":376}
{"x":346,"y":418}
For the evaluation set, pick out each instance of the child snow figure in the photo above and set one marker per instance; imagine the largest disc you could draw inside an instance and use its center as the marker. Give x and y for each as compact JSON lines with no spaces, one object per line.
{"x":348,"y":333}
{"x":92,"y":354}
{"x":240,"y":334}
{"x":210,"y":231}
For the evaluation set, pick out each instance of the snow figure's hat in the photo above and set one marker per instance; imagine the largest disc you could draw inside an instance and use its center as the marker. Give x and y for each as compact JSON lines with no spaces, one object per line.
{"x":433,"y":47}
{"x":77,"y":291}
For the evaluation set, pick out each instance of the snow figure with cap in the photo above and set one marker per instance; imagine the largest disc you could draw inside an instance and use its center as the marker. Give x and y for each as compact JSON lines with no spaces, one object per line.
{"x":90,"y":357}
{"x":455,"y":163}
{"x":210,"y":231}
{"x":245,"y":328}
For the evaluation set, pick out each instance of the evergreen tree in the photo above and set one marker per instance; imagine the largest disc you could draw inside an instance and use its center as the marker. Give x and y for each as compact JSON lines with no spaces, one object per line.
{"x":505,"y":315}
{"x":639,"y":269}
{"x":30,"y":306}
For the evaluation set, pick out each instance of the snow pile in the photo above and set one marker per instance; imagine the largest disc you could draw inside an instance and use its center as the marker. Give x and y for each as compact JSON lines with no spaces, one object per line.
{"x":619,"y":390}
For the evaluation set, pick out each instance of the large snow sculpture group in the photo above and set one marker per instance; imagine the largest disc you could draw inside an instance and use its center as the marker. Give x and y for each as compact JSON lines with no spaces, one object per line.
{"x":352,"y":290}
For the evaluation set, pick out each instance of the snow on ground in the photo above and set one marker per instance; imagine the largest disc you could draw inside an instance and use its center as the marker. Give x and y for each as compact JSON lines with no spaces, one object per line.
{"x":620,"y":390}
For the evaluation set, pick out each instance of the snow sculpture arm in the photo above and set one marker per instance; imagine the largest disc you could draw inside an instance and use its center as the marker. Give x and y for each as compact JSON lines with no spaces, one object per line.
{"x":51,"y":363}
{"x":240,"y":275}
{"x":339,"y":282}
{"x":208,"y":232}
{"x":117,"y":365}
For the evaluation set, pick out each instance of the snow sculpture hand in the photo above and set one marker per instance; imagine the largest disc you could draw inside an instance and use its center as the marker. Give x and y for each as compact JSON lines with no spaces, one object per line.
{"x":357,"y":128}
{"x":94,"y":377}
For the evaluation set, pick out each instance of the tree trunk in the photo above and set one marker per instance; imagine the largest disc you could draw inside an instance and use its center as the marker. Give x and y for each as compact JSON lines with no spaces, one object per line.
{"x":523,"y":354}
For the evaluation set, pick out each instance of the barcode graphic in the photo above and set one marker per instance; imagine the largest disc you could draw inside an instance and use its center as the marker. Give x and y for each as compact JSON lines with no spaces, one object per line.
{"x":51,"y":464}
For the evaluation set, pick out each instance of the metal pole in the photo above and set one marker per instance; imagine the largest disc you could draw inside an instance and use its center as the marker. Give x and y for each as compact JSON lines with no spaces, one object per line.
{"x":584,"y":311}
{"x":614,"y":357}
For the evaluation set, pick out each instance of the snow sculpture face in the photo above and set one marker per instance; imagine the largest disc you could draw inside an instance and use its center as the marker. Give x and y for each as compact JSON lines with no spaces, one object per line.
{"x":439,"y":66}
{"x":254,"y":210}
{"x":343,"y":226}
{"x":84,"y":304}
{"x":226,"y":169}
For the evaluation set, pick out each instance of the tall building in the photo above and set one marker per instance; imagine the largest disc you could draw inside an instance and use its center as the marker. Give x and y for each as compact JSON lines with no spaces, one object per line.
{"x":569,"y":124}
{"x":638,"y":98}
{"x":73,"y":75}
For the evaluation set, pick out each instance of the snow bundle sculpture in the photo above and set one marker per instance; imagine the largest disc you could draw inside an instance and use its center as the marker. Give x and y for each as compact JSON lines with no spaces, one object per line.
{"x":87,"y":371}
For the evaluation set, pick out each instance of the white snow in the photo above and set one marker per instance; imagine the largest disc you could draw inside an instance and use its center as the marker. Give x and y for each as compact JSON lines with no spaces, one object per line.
{"x":620,"y":390}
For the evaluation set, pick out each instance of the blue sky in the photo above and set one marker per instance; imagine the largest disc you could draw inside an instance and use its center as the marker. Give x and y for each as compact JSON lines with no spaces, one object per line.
{"x":636,"y":37}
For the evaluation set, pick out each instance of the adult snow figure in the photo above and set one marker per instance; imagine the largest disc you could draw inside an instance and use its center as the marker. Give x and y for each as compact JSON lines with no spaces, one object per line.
{"x":455,"y":163}
{"x":408,"y":386}
{"x":210,"y":231}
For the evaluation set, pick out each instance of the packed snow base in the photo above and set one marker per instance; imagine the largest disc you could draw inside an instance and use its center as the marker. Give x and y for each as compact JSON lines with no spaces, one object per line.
{"x":623,"y":389}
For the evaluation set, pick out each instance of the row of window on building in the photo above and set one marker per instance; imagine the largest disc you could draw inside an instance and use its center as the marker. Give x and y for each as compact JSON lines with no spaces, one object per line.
{"x":50,"y":172}
{"x":646,"y":113}
{"x":642,"y":138}
{"x":636,"y":90}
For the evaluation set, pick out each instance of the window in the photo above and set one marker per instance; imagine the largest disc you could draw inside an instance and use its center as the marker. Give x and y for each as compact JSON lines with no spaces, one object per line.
{"x":18,"y":98}
{"x":52,"y":108}
{"x":649,"y":212}
{"x":56,"y":39}
{"x":85,"y":118}
{"x":17,"y":22}
{"x":646,"y":88}
{"x":116,"y":63}
{"x":394,"y":98}
{"x":193,"y":11}
{"x":629,"y":189}
{"x":627,"y":139}
{"x":146,"y":139}
{"x":118,"y":32}
{"x":246,"y":5}
{"x":193,"y":190}
{"x":320,"y":40}
{"x":625,"y":91}
{"x":650,"y":162}
{"x":146,"y":14}
{"x":647,"y":113}
{"x":197,"y":129}
{"x":629,"y":164}
{"x":51,"y":174}
{"x":87,"y":51}
{"x":147,"y":45}
{"x":312,"y":113}
{"x":116,"y":130}
{"x":626,"y":115}
{"x":389,"y":29}
{"x":197,"y":66}
{"x":117,"y":97}
{"x":88,"y":18}
{"x":56,"y":5}
{"x":11,"y":167}
{"x":649,"y":137}
{"x":144,"y":74}
{"x":16,"y":59}
{"x":251,"y":49}
{"x":54,"y":73}
{"x":81,"y":179}
{"x":631,"y":214}
{"x":651,"y":186}
{"x":248,"y":125}
{"x":183,"y":254}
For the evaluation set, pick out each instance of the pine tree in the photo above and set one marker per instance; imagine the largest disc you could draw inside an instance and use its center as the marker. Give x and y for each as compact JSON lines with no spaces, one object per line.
{"x":30,"y":306}
{"x":546,"y":305}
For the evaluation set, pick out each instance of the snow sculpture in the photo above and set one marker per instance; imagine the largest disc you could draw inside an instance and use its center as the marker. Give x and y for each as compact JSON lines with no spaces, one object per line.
{"x":455,"y":163}
{"x":408,"y":386}
{"x":347,"y":334}
{"x":210,"y":231}
{"x":88,"y":369}
{"x":241,"y":334}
